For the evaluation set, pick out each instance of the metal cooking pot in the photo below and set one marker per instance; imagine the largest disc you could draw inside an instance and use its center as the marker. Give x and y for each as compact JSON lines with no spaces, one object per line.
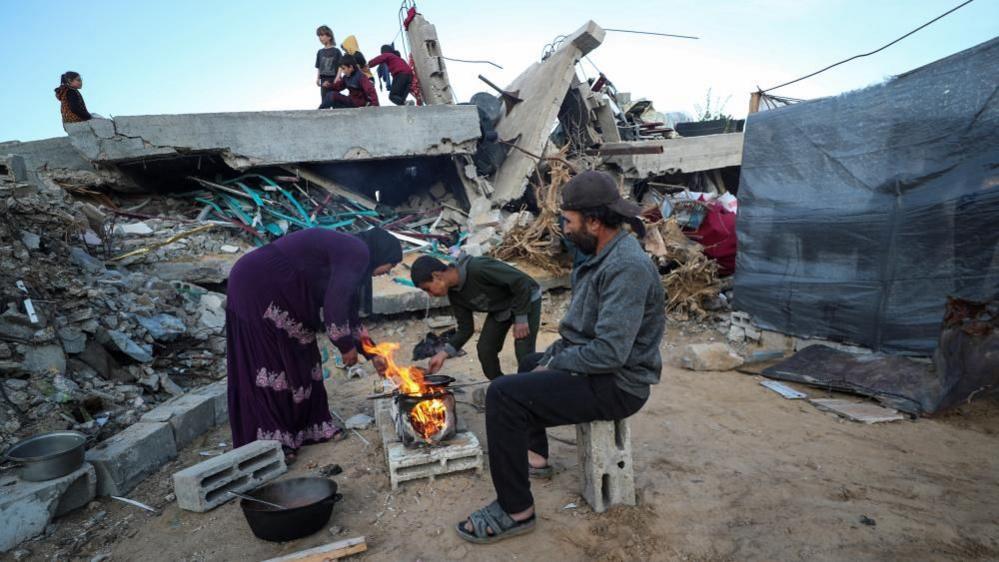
{"x":48,"y":456}
{"x":437,"y":380}
{"x":309,"y":503}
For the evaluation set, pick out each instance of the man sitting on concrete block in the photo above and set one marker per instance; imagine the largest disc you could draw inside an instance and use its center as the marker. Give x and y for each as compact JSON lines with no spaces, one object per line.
{"x":600,"y":369}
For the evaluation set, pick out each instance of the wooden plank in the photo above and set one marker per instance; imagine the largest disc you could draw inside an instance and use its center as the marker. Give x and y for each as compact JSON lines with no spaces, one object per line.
{"x":331,"y":551}
{"x":331,"y":186}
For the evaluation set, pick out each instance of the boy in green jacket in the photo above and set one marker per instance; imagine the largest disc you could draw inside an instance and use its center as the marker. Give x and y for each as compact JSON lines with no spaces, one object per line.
{"x":483,"y":284}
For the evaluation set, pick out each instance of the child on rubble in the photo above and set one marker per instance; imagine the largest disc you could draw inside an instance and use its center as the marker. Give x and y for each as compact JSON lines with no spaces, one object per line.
{"x":510,"y":297}
{"x":402,"y":75}
{"x":327,"y":62}
{"x":70,"y":101}
{"x":361,"y":92}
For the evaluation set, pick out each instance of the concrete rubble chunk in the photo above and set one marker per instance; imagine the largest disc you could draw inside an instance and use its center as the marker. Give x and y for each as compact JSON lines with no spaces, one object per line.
{"x":162,"y":327}
{"x":31,"y":240}
{"x":27,"y":508}
{"x":127,"y":458}
{"x":45,"y":360}
{"x":709,"y":357}
{"x":206,"y":485}
{"x":74,"y":340}
{"x":359,"y":421}
{"x":218,"y":392}
{"x":251,"y":139}
{"x":124,"y":344}
{"x":542,"y":86}
{"x":89,"y":263}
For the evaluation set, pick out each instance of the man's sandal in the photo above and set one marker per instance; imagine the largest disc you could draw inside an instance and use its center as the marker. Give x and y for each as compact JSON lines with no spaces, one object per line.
{"x":491,"y":524}
{"x":540,"y":472}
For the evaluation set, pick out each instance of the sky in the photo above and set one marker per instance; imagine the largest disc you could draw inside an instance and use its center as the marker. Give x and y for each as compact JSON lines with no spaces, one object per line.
{"x":189,"y":56}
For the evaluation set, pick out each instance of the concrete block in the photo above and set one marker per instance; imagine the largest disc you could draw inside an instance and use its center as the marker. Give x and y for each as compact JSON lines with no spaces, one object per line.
{"x":189,"y":415}
{"x":26,"y":508}
{"x":461,"y":453}
{"x":219,"y":393}
{"x":604,"y":449}
{"x":128,"y":458}
{"x":684,"y":154}
{"x":206,"y":485}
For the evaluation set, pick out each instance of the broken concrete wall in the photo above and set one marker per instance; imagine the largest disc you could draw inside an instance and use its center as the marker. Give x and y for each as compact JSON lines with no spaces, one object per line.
{"x":435,"y":86}
{"x":680,"y":155}
{"x":250,"y":139}
{"x":542,"y":87}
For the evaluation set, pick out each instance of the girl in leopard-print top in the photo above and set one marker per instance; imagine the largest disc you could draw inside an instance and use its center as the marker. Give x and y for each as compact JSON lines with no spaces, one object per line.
{"x":71,"y":102}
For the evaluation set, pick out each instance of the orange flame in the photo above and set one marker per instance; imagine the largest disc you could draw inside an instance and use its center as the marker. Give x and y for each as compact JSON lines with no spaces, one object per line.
{"x":429,"y":416}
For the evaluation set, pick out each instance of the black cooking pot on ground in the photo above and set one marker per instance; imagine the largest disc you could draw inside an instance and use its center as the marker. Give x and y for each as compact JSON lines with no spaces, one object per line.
{"x":308,"y":505}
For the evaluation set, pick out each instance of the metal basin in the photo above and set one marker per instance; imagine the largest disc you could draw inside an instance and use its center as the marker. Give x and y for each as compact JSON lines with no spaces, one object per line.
{"x":49,"y":455}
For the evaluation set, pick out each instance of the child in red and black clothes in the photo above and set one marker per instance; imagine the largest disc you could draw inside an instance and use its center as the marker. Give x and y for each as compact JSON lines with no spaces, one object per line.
{"x":70,"y":101}
{"x":360,"y":90}
{"x":402,"y":75}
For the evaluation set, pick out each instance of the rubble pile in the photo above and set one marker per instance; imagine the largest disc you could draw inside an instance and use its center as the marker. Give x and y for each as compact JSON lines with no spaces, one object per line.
{"x":691,"y":282}
{"x":85,"y":343}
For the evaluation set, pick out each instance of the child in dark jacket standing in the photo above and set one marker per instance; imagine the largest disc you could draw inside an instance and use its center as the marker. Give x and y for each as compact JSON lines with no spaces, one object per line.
{"x":70,"y":100}
{"x":327,"y":62}
{"x":361,"y":92}
{"x":402,"y":75}
{"x":483,"y":284}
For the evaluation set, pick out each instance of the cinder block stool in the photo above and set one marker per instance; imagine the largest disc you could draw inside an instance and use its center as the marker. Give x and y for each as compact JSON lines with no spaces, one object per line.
{"x":604,"y":449}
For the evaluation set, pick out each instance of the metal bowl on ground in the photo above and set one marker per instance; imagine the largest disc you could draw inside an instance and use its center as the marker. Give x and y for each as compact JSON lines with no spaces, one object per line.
{"x":308,"y":505}
{"x":48,"y":456}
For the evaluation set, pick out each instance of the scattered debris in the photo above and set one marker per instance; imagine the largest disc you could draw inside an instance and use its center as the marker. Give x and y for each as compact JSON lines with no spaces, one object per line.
{"x":360,"y":421}
{"x":135,"y":503}
{"x":784,"y":390}
{"x":864,"y":412}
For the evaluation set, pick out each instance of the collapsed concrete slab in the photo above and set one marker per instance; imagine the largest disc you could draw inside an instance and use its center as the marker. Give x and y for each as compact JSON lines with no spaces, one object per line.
{"x":680,"y":155}
{"x":250,"y":139}
{"x":542,"y":87}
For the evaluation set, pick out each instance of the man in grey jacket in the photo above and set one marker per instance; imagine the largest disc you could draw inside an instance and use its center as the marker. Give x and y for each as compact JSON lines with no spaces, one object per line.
{"x":600,"y":369}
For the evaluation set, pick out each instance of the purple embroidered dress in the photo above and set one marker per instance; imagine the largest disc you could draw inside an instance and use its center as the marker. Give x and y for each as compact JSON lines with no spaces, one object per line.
{"x":275,"y":371}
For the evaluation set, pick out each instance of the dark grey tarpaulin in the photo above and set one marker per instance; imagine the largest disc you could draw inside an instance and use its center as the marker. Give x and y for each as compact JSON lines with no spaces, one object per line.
{"x":860,"y":214}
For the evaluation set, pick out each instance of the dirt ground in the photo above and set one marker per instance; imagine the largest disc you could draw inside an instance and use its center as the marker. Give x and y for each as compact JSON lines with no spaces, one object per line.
{"x":725,"y":470}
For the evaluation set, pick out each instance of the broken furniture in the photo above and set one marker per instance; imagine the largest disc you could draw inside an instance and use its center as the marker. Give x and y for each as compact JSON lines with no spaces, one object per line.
{"x":604,"y":450}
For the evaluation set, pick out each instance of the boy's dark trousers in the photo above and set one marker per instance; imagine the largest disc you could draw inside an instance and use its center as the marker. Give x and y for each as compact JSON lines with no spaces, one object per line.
{"x":336,"y":100}
{"x":400,"y":88}
{"x":323,"y":90}
{"x":493,"y":334}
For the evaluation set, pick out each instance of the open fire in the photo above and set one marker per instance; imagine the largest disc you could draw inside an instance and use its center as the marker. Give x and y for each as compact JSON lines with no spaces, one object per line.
{"x":423,"y":413}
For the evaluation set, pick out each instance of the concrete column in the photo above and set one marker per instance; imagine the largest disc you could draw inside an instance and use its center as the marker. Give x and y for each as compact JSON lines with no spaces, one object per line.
{"x":435,"y":87}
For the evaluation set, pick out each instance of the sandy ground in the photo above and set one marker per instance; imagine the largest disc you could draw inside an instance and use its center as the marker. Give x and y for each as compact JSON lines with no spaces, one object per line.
{"x":725,"y":470}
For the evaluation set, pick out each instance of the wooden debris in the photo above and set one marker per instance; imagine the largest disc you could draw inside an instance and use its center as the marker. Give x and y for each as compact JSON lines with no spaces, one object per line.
{"x":540,"y":241}
{"x":331,"y":551}
{"x":694,"y":278}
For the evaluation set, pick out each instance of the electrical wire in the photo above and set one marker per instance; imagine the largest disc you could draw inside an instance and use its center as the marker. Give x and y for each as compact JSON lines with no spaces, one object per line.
{"x":948,"y":12}
{"x":651,"y":33}
{"x":472,"y":61}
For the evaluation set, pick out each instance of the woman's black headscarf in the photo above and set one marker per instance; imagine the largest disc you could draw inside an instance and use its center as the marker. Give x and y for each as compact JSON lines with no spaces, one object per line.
{"x":383,"y":248}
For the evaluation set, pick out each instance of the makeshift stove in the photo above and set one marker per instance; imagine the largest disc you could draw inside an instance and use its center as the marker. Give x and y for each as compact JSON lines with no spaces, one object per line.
{"x":419,"y":425}
{"x":426,"y":419}
{"x":423,"y":409}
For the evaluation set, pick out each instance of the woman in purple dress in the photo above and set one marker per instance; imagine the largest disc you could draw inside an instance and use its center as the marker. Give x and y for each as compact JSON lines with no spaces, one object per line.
{"x":275,"y":294}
